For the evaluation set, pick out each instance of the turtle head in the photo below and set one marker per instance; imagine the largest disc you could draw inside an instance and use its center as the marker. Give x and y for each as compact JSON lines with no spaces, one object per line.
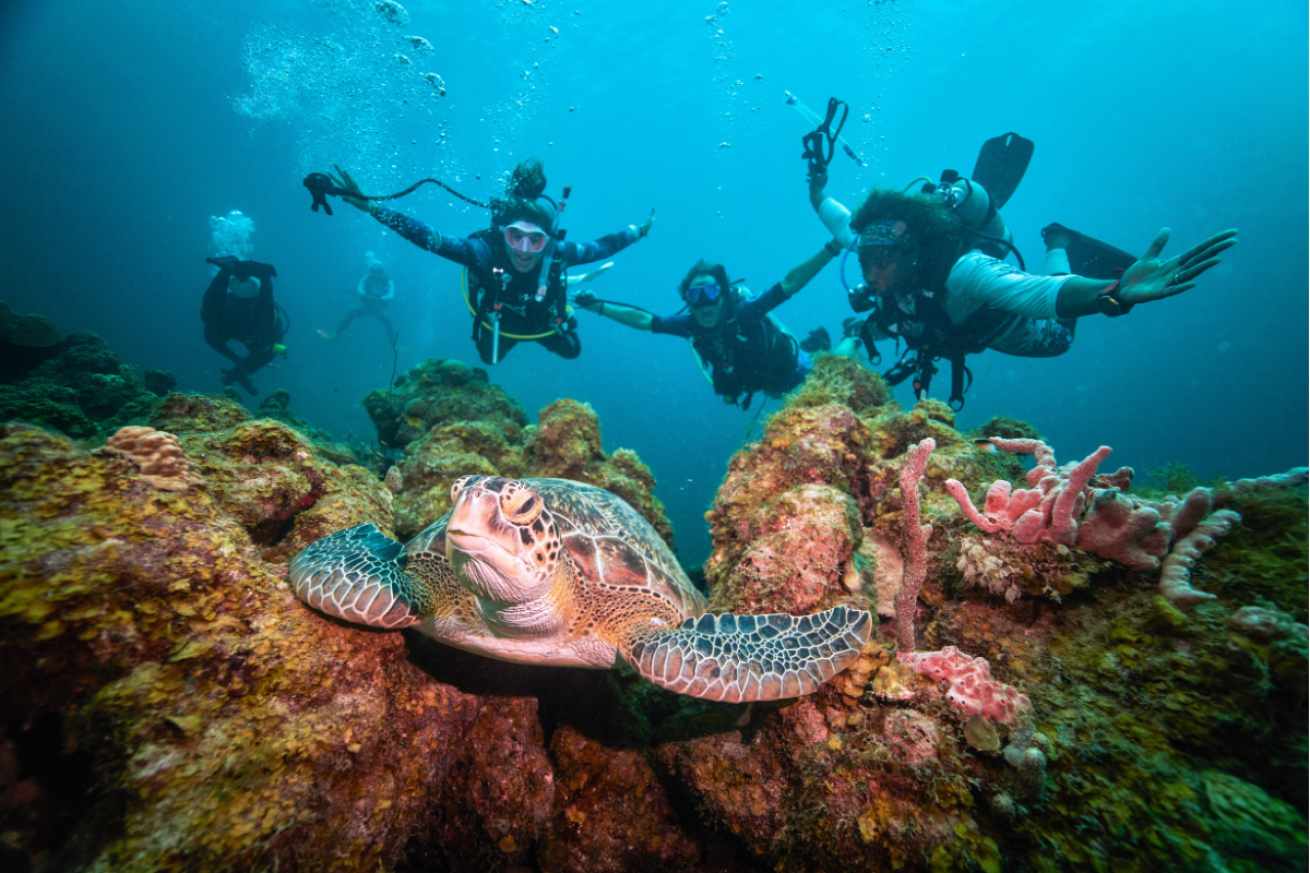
{"x":501,"y":539}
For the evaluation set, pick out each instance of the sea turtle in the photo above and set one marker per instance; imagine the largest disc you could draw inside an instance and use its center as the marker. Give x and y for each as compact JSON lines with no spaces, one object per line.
{"x":550,"y":571}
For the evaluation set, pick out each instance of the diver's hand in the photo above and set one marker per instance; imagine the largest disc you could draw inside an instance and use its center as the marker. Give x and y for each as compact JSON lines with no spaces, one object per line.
{"x":818,"y":179}
{"x":350,"y":190}
{"x":1152,"y":279}
{"x":643,"y":229}
{"x":586,"y":300}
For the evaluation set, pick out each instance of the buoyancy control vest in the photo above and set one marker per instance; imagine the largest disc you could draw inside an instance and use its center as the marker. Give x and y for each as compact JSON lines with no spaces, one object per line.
{"x":927,"y":330}
{"x":526,"y":302}
{"x":746,"y":353}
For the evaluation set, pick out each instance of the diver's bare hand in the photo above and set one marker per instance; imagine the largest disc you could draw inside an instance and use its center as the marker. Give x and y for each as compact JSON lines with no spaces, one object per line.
{"x":350,"y":190}
{"x":1153,"y":279}
{"x":643,"y":229}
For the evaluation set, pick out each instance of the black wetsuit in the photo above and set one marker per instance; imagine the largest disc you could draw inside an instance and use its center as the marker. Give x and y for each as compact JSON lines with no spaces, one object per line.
{"x":251,"y":321}
{"x":523,"y":309}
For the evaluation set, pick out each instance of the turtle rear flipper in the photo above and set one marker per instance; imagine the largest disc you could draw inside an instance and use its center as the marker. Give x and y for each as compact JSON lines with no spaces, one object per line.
{"x":738,"y":658}
{"x":358,"y":574}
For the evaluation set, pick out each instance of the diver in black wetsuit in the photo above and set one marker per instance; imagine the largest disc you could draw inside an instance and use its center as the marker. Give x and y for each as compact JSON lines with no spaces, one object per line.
{"x":516,"y":282}
{"x":238,"y":305}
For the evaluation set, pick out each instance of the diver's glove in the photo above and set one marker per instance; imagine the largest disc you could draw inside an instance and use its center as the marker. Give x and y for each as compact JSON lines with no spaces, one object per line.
{"x":225,"y":263}
{"x":586,"y":300}
{"x":262,"y":272}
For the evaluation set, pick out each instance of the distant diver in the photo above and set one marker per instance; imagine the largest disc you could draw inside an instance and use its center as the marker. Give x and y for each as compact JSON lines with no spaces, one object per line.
{"x":375,"y":291}
{"x":238,"y":306}
{"x":742,"y":347}
{"x":934,"y":275}
{"x":515,"y":271}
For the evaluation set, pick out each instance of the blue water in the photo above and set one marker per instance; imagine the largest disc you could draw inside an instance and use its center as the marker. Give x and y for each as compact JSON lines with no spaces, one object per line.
{"x":126,"y":126}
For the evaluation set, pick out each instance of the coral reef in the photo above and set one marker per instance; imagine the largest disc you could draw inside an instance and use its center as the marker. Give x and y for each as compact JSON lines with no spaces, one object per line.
{"x":168,"y":705}
{"x":441,"y":392}
{"x":75,"y":384}
{"x":564,"y":444}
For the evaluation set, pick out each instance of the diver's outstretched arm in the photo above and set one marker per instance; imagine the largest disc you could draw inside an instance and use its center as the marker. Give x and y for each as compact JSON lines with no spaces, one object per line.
{"x":803,"y":272}
{"x":620,"y":312}
{"x":1147,"y":279}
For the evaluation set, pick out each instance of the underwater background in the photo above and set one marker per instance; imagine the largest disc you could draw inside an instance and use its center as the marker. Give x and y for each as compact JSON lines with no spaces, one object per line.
{"x":130,"y":127}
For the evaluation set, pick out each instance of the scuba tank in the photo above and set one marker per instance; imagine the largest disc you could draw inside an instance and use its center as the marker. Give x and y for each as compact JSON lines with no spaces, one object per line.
{"x":977,"y":213}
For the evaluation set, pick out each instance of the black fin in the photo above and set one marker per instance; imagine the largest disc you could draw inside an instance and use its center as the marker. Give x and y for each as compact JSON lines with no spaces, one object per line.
{"x":1090,"y":257}
{"x":1002,"y":161}
{"x":817,"y":341}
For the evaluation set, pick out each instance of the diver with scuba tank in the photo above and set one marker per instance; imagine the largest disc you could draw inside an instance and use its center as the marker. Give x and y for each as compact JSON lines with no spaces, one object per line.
{"x":515,"y":278}
{"x":238,"y":306}
{"x":934,"y":274}
{"x":741,"y":347}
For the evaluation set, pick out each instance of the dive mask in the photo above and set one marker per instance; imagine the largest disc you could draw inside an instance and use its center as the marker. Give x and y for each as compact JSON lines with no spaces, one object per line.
{"x":702,"y":295}
{"x":526,"y":237}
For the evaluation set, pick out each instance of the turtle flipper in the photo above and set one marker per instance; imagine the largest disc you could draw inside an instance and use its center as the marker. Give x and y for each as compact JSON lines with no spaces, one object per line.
{"x":359,"y":574}
{"x":737,"y":658}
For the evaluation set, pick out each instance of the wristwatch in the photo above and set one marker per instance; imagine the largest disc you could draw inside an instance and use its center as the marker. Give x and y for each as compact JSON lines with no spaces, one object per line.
{"x":1110,"y":303}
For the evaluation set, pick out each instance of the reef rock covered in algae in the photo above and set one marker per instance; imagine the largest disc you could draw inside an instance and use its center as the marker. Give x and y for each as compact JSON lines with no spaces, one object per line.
{"x":193,"y":715}
{"x":455,"y":423}
{"x":75,"y":384}
{"x":1156,"y":739}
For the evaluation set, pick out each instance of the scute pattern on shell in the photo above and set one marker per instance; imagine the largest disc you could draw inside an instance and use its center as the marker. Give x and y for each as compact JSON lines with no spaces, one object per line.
{"x":614,"y":548}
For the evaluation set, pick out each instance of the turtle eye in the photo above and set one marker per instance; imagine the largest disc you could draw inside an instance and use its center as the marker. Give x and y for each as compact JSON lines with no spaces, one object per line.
{"x":520,"y":506}
{"x":458,"y":487}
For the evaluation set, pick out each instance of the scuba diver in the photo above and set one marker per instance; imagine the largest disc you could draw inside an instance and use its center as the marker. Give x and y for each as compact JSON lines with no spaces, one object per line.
{"x":238,"y":305}
{"x":742,"y":347}
{"x":934,"y":275}
{"x":515,"y":270}
{"x":375,"y":290}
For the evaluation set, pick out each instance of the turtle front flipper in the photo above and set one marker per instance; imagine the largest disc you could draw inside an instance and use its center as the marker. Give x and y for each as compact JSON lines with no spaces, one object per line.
{"x":359,"y":574}
{"x":738,"y":658}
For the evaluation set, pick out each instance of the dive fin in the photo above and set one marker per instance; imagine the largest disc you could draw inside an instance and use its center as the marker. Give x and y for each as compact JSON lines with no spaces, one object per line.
{"x":1090,"y":257}
{"x":1002,"y":161}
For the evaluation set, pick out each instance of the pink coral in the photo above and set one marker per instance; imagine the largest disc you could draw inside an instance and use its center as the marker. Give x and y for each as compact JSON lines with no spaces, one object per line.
{"x":1074,"y":506}
{"x":972,"y":687}
{"x":159,"y":456}
{"x":1071,"y":505}
{"x":1176,"y":576}
{"x":916,"y":544}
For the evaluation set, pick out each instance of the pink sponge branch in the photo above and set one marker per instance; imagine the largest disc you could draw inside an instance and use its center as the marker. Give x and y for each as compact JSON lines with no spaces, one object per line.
{"x":916,"y":544}
{"x":1176,"y":575}
{"x":1072,"y":505}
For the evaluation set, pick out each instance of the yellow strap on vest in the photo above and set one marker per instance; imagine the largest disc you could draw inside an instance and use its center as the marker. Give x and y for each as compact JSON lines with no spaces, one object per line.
{"x":464,"y":289}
